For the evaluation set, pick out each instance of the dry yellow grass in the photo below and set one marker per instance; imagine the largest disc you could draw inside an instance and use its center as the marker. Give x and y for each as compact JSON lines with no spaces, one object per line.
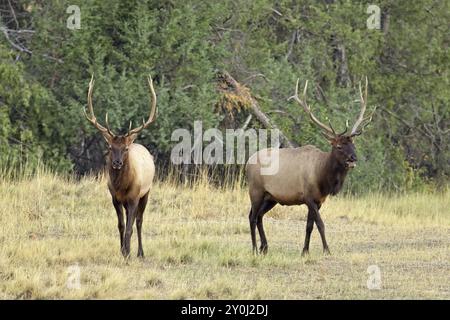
{"x":197,"y":245}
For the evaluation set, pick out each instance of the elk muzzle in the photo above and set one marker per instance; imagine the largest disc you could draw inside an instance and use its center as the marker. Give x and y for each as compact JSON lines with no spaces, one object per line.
{"x":351,"y":162}
{"x":117,"y":164}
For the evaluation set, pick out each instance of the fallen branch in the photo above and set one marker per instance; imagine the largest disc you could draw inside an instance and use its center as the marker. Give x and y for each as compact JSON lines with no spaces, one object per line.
{"x":247,"y":121}
{"x":254,"y":107}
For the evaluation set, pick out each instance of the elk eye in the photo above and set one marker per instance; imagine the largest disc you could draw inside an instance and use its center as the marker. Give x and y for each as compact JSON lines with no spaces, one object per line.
{"x":126,"y":148}
{"x":109,"y":147}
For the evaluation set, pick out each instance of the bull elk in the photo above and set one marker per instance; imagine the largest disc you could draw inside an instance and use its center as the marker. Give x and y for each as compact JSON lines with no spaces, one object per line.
{"x":130,"y":171}
{"x":305,"y":175}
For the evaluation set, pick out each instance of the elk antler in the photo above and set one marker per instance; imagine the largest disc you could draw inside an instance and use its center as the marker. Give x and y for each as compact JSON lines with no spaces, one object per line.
{"x":361,"y":119}
{"x":92,"y":119}
{"x":152,"y":115}
{"x":328,"y":131}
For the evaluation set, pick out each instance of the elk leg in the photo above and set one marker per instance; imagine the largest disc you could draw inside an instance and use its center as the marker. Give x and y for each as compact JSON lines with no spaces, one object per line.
{"x":121,"y":225}
{"x":309,"y":228}
{"x":266,"y":207}
{"x":321,"y":228}
{"x":130,"y":207}
{"x":252,"y":220}
{"x":139,"y":219}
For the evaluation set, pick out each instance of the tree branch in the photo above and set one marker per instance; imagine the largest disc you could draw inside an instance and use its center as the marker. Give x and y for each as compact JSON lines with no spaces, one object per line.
{"x":256,"y":110}
{"x":13,"y":14}
{"x":24,"y":49}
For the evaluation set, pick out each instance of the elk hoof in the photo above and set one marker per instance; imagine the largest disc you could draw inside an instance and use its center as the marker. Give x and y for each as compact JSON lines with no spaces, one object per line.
{"x":327,"y":252}
{"x":263,"y":249}
{"x":305,"y":252}
{"x":125,"y":252}
{"x":140,"y":255}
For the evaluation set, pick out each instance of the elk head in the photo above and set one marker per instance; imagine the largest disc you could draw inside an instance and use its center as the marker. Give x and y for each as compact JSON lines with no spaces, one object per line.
{"x":118,"y":144}
{"x":343,"y":149}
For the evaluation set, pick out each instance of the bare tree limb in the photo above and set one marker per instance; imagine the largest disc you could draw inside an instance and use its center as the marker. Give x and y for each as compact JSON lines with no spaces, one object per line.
{"x":256,"y":110}
{"x":276,"y":11}
{"x":24,"y":49}
{"x":247,"y":121}
{"x":291,"y":44}
{"x":13,"y":14}
{"x":254,"y":76}
{"x":14,"y":45}
{"x":19,"y":31}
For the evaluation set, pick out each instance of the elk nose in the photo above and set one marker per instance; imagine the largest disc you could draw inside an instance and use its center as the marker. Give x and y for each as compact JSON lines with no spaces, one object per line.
{"x":353,"y":158}
{"x":117,"y":164}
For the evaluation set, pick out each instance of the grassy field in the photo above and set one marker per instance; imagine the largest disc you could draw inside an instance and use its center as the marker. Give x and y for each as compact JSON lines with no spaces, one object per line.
{"x":197,"y":245}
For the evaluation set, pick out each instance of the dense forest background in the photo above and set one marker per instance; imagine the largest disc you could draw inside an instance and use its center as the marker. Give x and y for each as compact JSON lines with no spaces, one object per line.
{"x":45,"y":69}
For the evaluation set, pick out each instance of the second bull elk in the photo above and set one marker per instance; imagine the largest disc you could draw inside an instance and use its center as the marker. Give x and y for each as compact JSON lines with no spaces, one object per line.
{"x":304,"y":175}
{"x":130,"y":170}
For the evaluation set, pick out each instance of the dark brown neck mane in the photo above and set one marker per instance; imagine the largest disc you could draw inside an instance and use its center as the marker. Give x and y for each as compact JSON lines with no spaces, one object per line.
{"x":333,"y":176}
{"x":120,"y":179}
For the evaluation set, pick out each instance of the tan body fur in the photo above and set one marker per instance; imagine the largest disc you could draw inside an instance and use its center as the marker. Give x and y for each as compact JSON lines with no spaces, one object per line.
{"x":135,"y":180}
{"x":296,"y":179}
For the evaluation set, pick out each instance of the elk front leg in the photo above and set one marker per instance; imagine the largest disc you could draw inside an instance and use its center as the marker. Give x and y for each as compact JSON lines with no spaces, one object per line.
{"x":121,"y":225}
{"x":131,"y":208}
{"x":309,"y":228}
{"x":321,"y":228}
